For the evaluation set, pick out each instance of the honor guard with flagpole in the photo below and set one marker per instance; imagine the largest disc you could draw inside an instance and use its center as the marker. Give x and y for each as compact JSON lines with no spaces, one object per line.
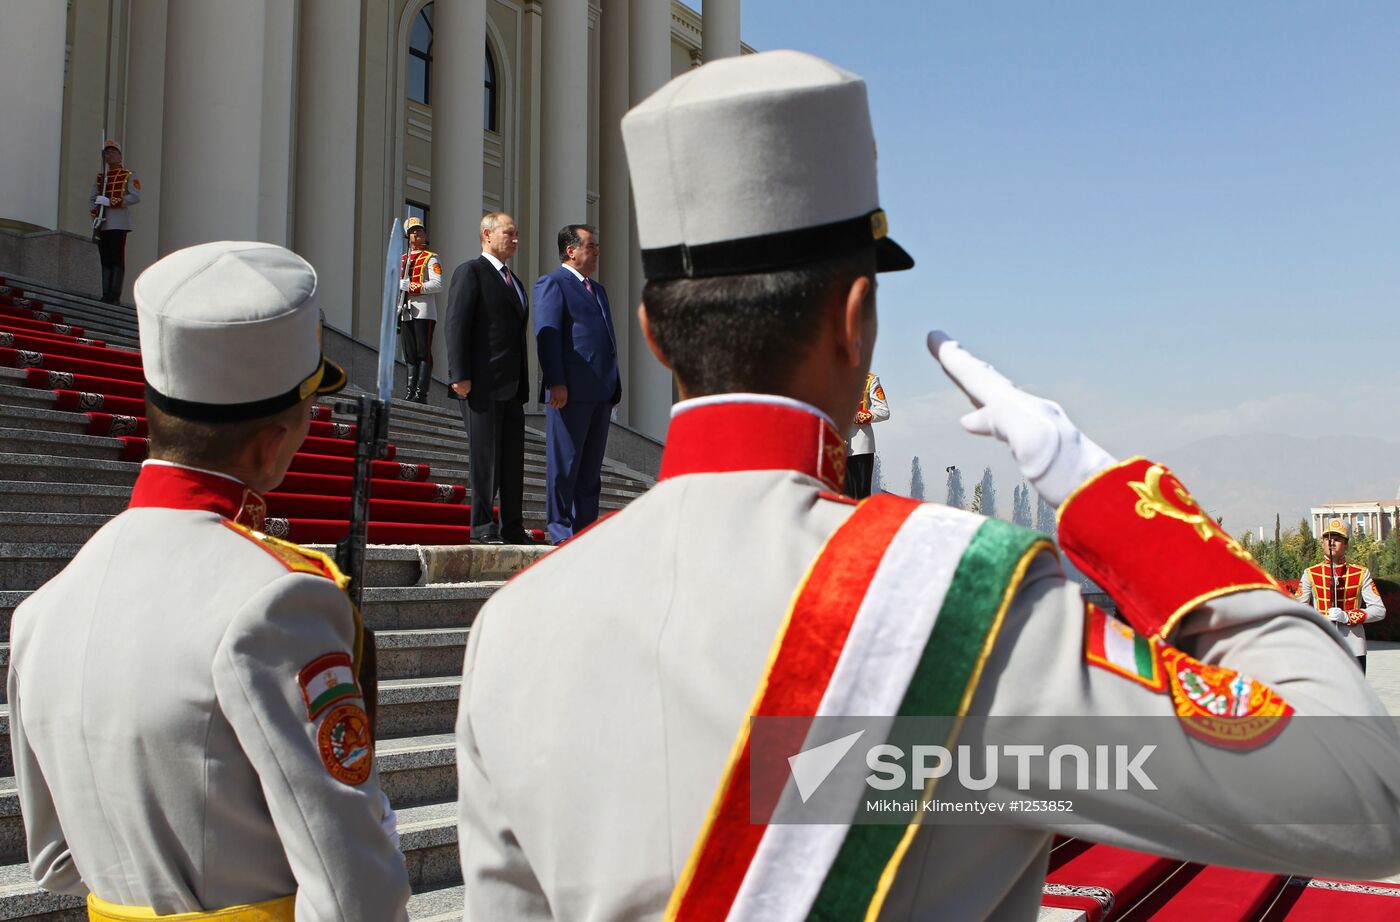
{"x":420,"y":279}
{"x":114,"y":191}
{"x":1342,"y":592}
{"x":189,"y":732}
{"x":744,"y":584}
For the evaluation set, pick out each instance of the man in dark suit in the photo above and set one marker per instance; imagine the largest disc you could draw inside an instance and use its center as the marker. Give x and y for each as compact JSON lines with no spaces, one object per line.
{"x":487,"y":313}
{"x":578,"y":357}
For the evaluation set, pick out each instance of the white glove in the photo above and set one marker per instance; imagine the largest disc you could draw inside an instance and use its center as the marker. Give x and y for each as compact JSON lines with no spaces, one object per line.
{"x":390,"y":821}
{"x":1051,"y":452}
{"x":102,"y":200}
{"x":405,"y":284}
{"x":1337,"y":615}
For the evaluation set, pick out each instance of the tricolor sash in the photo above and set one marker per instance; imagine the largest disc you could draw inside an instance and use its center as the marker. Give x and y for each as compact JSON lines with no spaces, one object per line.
{"x":895,"y":616}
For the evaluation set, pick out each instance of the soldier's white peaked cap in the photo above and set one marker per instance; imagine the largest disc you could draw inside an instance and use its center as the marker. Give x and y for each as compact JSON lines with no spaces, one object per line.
{"x":230,"y":331}
{"x":752,"y":164}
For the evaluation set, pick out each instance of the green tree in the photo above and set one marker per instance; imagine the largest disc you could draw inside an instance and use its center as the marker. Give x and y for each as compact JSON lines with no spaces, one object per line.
{"x":977,"y":498}
{"x":1021,"y":505}
{"x":957,"y":496}
{"x":1044,"y":516}
{"x":1309,"y":550}
{"x":989,"y":494}
{"x":916,"y":480}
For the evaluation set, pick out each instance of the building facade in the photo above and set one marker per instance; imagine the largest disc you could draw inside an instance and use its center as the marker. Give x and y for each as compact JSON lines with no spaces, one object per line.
{"x":317,"y":124}
{"x":1374,"y":517}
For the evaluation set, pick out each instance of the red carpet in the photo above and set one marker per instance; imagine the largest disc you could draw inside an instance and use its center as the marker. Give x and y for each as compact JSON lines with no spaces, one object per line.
{"x":1199,"y":893}
{"x":312,"y":505}
{"x":124,"y":424}
{"x":18,"y":324}
{"x":1321,"y":900}
{"x":1103,"y":881}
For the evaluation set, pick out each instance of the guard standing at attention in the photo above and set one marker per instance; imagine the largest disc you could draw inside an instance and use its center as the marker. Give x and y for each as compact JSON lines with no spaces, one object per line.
{"x":1342,"y":593}
{"x":860,"y":446}
{"x":114,"y":191}
{"x":189,"y":734}
{"x":420,"y":279}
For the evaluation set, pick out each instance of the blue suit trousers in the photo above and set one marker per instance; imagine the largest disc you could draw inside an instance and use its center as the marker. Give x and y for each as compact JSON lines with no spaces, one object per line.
{"x":576,"y":438}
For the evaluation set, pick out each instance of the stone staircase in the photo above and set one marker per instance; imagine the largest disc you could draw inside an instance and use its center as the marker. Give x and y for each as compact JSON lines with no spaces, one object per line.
{"x":59,"y":484}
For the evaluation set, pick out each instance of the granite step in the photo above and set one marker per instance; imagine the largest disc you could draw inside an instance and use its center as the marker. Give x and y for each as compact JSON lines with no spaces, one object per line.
{"x":49,"y":468}
{"x":59,"y":496}
{"x":407,"y":707}
{"x":27,"y":566}
{"x":53,"y":444}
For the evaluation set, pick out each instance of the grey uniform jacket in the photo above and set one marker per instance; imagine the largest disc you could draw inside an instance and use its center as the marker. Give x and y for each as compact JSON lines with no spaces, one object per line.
{"x":592,"y":736}
{"x":118,"y":218}
{"x":161,"y":738}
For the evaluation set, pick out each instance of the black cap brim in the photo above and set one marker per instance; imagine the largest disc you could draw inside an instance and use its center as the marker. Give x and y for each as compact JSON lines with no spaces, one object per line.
{"x":891,"y":257}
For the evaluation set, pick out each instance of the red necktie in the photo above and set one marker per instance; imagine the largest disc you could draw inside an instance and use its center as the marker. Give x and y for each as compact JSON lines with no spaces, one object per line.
{"x":505,"y":274}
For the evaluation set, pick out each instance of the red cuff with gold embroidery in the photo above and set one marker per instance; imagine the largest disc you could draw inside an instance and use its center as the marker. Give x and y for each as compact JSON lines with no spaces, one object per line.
{"x":1137,"y":532}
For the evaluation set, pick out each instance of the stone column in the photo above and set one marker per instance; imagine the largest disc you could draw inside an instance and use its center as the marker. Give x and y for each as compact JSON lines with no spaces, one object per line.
{"x":212,"y":154}
{"x":649,"y":382}
{"x":327,"y":133}
{"x":31,"y":96}
{"x":459,"y":109}
{"x":279,"y":93}
{"x":720,"y":26}
{"x":564,"y":123}
{"x":145,"y":123}
{"x":615,"y":189}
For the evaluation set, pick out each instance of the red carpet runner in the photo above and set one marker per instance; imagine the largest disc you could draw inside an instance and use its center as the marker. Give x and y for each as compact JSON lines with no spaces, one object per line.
{"x":311,"y":506}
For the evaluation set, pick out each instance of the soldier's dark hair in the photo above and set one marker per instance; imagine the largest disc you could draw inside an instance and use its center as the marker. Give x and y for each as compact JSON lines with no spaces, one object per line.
{"x":569,"y":237}
{"x":212,"y":446}
{"x":747,"y":332}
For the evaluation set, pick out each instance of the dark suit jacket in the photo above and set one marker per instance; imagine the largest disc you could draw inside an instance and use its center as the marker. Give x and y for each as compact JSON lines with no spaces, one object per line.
{"x":486,"y":334}
{"x":574,"y":335}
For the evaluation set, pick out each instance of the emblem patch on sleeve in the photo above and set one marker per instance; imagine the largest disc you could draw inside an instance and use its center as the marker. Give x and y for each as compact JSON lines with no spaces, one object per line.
{"x":347,"y":749}
{"x":326,"y":680}
{"x":1222,"y":707}
{"x":1110,"y":644}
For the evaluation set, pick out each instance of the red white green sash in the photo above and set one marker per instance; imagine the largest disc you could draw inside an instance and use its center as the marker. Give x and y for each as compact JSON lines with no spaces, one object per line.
{"x":896,"y":616}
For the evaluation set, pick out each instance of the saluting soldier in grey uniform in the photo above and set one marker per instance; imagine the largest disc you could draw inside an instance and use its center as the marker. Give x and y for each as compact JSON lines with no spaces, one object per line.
{"x":604,"y":746}
{"x":188,"y":731}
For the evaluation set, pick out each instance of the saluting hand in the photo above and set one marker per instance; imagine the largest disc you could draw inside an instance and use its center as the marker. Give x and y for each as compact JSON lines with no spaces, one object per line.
{"x":1052,"y":453}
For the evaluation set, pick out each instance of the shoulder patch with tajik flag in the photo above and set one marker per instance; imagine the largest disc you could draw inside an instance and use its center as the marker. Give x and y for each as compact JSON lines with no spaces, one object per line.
{"x":1112,"y":645}
{"x":326,"y":680}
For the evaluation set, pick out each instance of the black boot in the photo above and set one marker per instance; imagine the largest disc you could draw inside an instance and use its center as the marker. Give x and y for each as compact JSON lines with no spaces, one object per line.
{"x":425,"y":381}
{"x":411,"y":393}
{"x":118,"y":280}
{"x":107,"y":283}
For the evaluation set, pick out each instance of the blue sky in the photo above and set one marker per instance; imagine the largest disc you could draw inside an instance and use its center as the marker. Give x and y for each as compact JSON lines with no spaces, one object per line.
{"x":1181,"y":220}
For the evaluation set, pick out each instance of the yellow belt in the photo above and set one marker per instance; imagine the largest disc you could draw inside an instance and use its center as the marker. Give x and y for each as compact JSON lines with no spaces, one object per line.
{"x":278,"y":910}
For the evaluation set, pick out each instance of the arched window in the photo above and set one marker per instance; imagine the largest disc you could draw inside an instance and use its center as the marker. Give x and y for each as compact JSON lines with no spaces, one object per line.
{"x":489,"y":109}
{"x":420,"y":57}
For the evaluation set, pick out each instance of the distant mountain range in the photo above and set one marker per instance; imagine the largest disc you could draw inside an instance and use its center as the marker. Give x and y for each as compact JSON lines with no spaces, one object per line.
{"x":1248,"y":478}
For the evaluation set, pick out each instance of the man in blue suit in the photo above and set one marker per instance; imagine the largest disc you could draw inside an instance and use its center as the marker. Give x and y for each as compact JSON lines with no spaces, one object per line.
{"x":578,"y":358}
